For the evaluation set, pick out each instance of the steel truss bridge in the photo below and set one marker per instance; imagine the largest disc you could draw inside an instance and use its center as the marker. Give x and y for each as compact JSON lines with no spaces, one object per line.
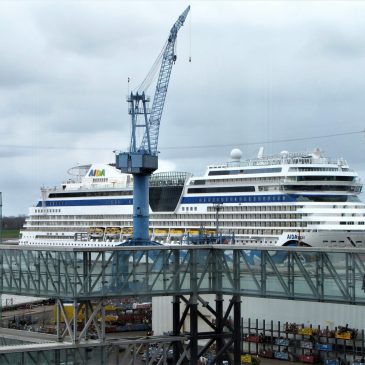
{"x":90,"y":276}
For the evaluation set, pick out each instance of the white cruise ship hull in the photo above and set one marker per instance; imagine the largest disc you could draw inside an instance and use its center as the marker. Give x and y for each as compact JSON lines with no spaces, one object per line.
{"x":287,"y":199}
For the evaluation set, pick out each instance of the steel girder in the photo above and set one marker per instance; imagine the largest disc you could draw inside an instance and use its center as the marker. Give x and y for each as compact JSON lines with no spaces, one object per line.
{"x":224,"y":334}
{"x":88,"y":319}
{"x":120,"y":352}
{"x":298,"y":273}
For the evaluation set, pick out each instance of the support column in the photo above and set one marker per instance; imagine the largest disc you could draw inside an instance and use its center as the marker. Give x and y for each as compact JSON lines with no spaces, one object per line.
{"x":58,"y":320}
{"x":175,"y":326}
{"x":219,"y":324}
{"x":86,"y":318}
{"x":237,"y":340}
{"x":141,"y":207}
{"x":193,"y":330}
{"x":74,"y":321}
{"x":103,"y":337}
{"x":236,"y":301}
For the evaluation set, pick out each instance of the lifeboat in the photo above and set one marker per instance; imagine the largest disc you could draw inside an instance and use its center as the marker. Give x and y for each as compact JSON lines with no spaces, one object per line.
{"x":209,"y":231}
{"x":160,"y":231}
{"x":112,"y":232}
{"x":96,"y":232}
{"x":176,"y":231}
{"x":127,"y":230}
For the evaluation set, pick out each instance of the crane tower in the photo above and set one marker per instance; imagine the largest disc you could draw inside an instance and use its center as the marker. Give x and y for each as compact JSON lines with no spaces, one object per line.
{"x":141,"y":159}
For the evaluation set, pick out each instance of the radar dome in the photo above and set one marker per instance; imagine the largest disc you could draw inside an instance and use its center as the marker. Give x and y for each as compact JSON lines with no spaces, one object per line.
{"x":236,"y":154}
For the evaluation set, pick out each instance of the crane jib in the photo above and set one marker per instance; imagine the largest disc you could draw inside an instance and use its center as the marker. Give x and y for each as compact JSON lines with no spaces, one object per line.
{"x":168,"y":60}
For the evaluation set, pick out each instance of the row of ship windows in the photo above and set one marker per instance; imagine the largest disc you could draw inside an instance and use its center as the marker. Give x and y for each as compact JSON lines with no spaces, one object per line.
{"x":48,"y":210}
{"x":79,"y":194}
{"x":209,"y":209}
{"x":186,"y":223}
{"x":351,"y":223}
{"x":253,"y":215}
{"x":225,"y":231}
{"x":59,"y":203}
{"x":243,"y":199}
{"x":236,"y":227}
{"x":281,"y":207}
{"x":222,"y":215}
{"x":180,"y":217}
{"x":272,"y":179}
{"x":222,"y":211}
{"x":316,"y":169}
{"x":232,"y":181}
{"x":257,"y":232}
{"x":273,"y":208}
{"x":63,"y":244}
{"x":163,"y":216}
{"x":244,"y":208}
{"x":223,"y":222}
{"x":264,"y":170}
{"x":183,"y":217}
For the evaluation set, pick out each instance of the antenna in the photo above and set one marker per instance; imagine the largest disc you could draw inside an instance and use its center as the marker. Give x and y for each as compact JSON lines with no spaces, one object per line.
{"x":190,"y":38}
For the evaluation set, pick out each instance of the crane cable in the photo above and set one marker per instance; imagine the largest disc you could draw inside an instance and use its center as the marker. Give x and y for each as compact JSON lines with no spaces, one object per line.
{"x":190,"y":37}
{"x":238,"y":144}
{"x":146,"y":83}
{"x":263,"y":142}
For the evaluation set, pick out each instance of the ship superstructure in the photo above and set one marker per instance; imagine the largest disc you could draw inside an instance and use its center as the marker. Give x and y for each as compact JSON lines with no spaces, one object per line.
{"x":284,"y":199}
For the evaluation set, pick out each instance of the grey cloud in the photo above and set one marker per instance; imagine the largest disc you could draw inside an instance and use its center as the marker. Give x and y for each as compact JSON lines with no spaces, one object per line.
{"x":258,"y":72}
{"x":8,"y":151}
{"x":342,"y":43}
{"x":96,"y":30}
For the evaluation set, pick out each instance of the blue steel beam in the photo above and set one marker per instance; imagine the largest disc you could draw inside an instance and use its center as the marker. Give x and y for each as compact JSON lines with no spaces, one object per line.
{"x":326,"y":275}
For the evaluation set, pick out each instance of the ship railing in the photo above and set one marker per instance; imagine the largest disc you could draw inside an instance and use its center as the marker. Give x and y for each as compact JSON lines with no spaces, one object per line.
{"x":297,"y":160}
{"x":235,"y":180}
{"x":294,"y":181}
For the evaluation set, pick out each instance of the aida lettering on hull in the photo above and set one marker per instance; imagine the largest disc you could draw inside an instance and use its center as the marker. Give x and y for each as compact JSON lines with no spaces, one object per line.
{"x":97,"y":172}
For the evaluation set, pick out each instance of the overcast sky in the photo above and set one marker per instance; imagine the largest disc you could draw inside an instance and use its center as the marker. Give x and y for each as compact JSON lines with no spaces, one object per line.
{"x":260,"y":71}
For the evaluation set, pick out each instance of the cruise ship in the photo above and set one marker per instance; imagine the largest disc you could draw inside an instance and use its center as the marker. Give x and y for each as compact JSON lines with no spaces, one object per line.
{"x":279,"y":200}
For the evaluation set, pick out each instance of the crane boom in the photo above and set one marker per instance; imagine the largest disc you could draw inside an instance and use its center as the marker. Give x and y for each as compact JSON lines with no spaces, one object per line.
{"x":168,"y":60}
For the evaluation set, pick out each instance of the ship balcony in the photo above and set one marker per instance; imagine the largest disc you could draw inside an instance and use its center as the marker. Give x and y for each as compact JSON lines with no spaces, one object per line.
{"x":328,"y":180}
{"x":322,"y":186}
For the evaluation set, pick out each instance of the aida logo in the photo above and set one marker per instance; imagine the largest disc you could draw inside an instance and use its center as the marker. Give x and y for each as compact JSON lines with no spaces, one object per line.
{"x":97,"y":172}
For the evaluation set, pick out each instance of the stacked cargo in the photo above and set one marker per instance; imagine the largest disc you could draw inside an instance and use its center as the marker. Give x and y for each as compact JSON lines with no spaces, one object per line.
{"x":119,"y":317}
{"x":307,"y":344}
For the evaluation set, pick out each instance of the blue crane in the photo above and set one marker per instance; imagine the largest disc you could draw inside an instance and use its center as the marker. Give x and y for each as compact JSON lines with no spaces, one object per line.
{"x":141,"y":159}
